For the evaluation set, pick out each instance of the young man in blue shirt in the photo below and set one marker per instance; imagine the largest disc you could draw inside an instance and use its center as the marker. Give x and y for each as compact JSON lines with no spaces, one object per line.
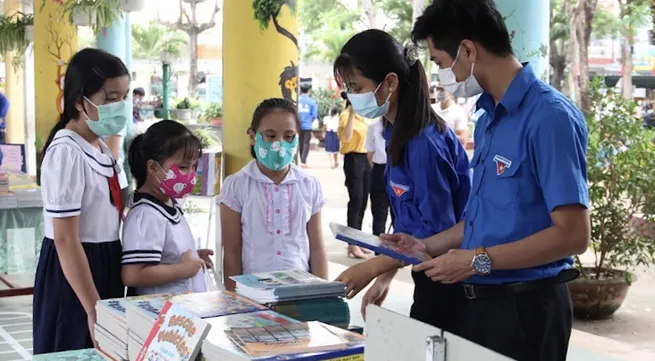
{"x":308,"y":111}
{"x":527,"y":212}
{"x":4,"y":109}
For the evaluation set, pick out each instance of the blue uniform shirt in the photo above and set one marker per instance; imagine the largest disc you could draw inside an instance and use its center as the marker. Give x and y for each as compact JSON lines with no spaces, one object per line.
{"x":429,"y":190}
{"x":530,"y":157}
{"x":4,"y":109}
{"x":308,"y":111}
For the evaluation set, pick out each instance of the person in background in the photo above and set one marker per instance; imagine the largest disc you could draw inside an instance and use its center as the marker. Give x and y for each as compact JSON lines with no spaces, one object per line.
{"x":271,"y":209}
{"x":115,"y":144}
{"x":528,"y":209}
{"x":377,"y":158}
{"x":80,"y":259}
{"x":159,"y":251}
{"x":427,"y":175}
{"x":352,"y":135}
{"x":308,"y":112}
{"x":454,"y":115}
{"x":137,"y":97}
{"x":331,"y":124}
{"x":4,"y":109}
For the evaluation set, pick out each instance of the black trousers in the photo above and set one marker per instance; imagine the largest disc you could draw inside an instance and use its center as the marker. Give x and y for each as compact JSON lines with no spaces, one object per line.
{"x":531,"y":326}
{"x":379,"y":200}
{"x":3,"y":136}
{"x":358,"y":181}
{"x":305,"y":137}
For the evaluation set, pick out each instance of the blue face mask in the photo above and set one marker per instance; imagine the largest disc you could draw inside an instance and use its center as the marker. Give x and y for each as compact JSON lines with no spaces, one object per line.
{"x":367,"y":106}
{"x":112,"y":118}
{"x":275,"y":155}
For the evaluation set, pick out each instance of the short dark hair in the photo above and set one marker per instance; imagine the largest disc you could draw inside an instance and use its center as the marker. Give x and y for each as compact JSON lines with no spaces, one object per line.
{"x":375,"y":53}
{"x":267,"y":107}
{"x":305,"y":88}
{"x":139,"y":91}
{"x":334,"y":111}
{"x":161,"y":141}
{"x":448,"y":22}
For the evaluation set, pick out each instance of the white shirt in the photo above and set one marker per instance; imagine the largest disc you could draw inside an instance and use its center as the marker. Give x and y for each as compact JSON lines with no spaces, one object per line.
{"x":454,"y":115}
{"x":375,"y":142}
{"x":273,"y":217}
{"x":75,"y":182}
{"x":331,"y":123}
{"x":155,"y":233}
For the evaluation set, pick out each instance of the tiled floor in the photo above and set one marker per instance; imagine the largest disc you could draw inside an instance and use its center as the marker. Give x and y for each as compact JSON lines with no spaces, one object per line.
{"x":16,"y":336}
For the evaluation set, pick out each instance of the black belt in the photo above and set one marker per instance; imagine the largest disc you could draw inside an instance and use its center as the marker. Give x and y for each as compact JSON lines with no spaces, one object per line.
{"x":473,"y":292}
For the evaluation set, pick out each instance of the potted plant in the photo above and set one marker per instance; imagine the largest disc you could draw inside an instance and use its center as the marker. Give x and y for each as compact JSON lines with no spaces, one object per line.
{"x":170,"y":48}
{"x":16,"y":34}
{"x":132,"y":5}
{"x":213,"y":114}
{"x":98,"y":14}
{"x":183,"y":109}
{"x":621,"y":172}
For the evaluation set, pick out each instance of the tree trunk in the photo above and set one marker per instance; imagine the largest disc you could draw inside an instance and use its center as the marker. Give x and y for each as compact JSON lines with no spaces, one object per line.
{"x":572,"y":51}
{"x":193,"y":63}
{"x":284,"y":32}
{"x":417,"y":9}
{"x":626,"y":57}
{"x":369,"y":11}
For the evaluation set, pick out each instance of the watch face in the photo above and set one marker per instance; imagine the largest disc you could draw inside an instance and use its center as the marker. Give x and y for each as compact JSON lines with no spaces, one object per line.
{"x":482,"y":264}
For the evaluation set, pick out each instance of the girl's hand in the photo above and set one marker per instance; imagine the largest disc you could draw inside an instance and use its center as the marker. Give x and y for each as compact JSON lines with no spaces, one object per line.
{"x":91,"y":320}
{"x":205,"y":256}
{"x":375,"y":295}
{"x":356,"y":278}
{"x":190,"y":265}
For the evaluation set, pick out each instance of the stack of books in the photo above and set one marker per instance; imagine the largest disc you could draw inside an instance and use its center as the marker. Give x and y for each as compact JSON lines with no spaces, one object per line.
{"x":331,"y":310}
{"x":248,"y":337}
{"x":176,"y":336}
{"x":275,"y":287}
{"x":4,"y":182}
{"x":8,"y":200}
{"x":142,"y":312}
{"x":28,"y":196}
{"x":111,"y":328}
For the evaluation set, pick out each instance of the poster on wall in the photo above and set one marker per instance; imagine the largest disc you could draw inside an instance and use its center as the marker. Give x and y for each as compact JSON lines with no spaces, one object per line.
{"x":12,"y":158}
{"x":215,"y":88}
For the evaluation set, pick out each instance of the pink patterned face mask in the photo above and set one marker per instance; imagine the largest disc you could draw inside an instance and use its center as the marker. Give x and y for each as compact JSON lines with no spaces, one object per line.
{"x":176,"y":184}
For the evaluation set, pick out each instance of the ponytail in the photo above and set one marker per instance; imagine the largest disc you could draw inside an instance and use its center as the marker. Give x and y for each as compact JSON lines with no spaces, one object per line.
{"x":61,"y":124}
{"x":136,"y":160}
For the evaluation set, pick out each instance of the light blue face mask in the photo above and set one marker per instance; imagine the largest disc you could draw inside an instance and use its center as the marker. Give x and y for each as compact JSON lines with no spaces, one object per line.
{"x":367,"y":106}
{"x":112,"y":118}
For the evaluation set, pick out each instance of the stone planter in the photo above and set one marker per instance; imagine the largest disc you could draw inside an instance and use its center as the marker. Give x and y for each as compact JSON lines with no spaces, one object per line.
{"x":183,"y":114}
{"x":82,"y":18}
{"x":217,"y":121}
{"x":167,"y":58}
{"x":598,"y":299}
{"x":132,"y":5}
{"x":29,"y":33}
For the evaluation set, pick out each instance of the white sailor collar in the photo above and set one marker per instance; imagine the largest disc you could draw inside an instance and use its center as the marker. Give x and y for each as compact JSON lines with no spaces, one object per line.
{"x":101,"y":161}
{"x":295,"y":174}
{"x":173,"y":214}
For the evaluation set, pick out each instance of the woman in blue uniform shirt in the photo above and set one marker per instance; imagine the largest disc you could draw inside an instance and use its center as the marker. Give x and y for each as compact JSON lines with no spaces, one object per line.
{"x":427,"y":176}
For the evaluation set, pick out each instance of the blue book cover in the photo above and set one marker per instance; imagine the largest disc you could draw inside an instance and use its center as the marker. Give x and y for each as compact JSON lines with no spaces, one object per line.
{"x":279,"y":279}
{"x":374,"y":243}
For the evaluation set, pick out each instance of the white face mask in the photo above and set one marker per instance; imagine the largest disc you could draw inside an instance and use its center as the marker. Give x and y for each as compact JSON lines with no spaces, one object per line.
{"x":467,"y":88}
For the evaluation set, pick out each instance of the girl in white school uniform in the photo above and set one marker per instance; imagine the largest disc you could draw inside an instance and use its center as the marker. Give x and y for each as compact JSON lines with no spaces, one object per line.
{"x":159,"y":251}
{"x":271,"y":209}
{"x":80,"y":258}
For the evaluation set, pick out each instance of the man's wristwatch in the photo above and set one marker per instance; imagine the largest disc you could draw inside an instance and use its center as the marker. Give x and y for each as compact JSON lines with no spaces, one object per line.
{"x":481,"y":263}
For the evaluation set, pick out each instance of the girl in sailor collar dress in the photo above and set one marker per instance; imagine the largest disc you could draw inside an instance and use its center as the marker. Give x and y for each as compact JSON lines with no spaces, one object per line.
{"x":271,"y":209}
{"x":80,"y":257}
{"x":159,"y":251}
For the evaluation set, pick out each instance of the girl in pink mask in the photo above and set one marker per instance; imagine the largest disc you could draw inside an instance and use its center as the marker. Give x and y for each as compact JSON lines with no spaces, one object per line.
{"x":159,"y":251}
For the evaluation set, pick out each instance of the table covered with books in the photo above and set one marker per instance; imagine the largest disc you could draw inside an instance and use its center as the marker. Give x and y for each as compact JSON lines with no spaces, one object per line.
{"x":225,"y":326}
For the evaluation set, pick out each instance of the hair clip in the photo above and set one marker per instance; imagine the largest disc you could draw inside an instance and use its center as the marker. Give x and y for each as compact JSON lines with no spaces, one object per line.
{"x":411,"y":53}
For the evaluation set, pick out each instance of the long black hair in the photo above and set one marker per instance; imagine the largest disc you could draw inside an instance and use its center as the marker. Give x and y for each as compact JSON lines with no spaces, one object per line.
{"x":86,"y":73}
{"x":267,"y":107}
{"x":375,"y":54}
{"x":161,"y":141}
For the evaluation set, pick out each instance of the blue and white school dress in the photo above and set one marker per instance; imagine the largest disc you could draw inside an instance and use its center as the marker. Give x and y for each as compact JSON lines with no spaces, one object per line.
{"x":76,"y":178}
{"x":156,"y":233}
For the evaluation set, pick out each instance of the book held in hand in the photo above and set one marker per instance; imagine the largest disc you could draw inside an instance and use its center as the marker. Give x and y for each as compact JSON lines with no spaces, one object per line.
{"x":273,"y":287}
{"x":177,"y":335}
{"x":376,"y":244}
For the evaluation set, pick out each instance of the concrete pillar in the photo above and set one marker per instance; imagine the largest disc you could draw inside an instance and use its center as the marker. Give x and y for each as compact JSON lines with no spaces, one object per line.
{"x":128,"y":63}
{"x":55,"y":41}
{"x":14,"y":87}
{"x":249,"y":76}
{"x":528,"y":22}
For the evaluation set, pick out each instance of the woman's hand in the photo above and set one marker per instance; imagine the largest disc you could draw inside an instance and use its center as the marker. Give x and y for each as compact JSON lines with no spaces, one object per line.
{"x":356,"y":278}
{"x":376,"y":294}
{"x":205,"y":256}
{"x":404,"y":241}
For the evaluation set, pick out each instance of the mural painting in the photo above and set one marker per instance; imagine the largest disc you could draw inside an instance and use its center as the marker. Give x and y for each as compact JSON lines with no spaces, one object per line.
{"x":265,"y":12}
{"x":58,"y":46}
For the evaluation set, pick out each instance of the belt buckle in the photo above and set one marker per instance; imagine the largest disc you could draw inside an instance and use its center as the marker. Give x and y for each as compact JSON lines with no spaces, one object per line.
{"x":469,"y":291}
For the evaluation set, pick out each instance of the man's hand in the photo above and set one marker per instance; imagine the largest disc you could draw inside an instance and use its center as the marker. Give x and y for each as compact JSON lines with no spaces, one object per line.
{"x":451,"y":267}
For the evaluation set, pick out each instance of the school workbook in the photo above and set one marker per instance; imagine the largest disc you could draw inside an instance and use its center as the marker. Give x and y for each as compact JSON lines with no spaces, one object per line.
{"x":217,"y":303}
{"x":176,"y":336}
{"x":273,"y":287}
{"x":374,"y":243}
